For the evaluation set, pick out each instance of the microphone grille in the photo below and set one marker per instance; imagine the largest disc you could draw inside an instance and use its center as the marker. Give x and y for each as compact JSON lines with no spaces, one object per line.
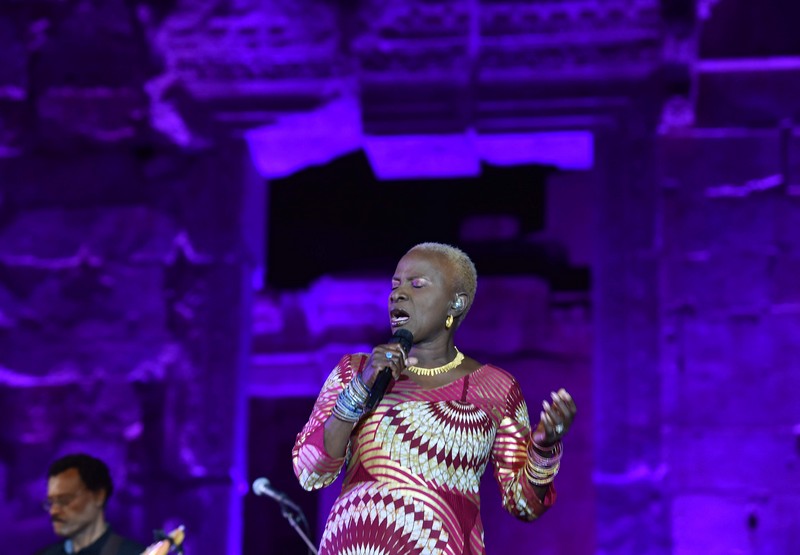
{"x":260,"y":485}
{"x":404,"y":337}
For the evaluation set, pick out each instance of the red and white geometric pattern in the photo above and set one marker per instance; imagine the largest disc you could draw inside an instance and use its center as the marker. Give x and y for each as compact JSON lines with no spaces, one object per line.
{"x":379,"y":518}
{"x":415,"y":463}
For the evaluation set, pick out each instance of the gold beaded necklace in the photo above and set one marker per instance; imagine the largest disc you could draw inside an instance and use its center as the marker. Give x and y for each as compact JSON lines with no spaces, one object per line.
{"x":439,"y":369}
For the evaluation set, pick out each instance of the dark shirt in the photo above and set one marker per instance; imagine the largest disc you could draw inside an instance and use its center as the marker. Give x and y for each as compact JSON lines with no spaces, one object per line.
{"x":128,"y":547}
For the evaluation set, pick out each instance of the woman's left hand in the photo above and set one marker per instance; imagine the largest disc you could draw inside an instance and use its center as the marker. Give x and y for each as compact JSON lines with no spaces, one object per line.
{"x":555,"y":419}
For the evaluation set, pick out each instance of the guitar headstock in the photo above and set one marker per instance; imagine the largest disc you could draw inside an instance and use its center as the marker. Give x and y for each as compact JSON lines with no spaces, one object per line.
{"x":171,"y":543}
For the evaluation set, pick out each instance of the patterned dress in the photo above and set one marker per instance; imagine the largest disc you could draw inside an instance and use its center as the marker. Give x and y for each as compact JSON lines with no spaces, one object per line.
{"x":414,"y":464}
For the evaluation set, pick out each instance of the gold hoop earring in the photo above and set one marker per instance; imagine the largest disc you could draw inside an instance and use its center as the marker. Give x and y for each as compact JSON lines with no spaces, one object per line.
{"x":448,"y":323}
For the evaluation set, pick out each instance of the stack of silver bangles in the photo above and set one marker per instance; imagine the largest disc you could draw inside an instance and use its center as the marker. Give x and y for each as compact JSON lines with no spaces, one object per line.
{"x":541,"y":470}
{"x":350,"y":402}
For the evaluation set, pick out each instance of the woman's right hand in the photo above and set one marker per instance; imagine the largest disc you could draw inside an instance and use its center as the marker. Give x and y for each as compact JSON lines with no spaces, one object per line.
{"x":387,"y":355}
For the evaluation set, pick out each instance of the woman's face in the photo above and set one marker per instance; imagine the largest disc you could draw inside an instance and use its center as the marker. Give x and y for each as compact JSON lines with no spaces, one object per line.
{"x":422,"y":293}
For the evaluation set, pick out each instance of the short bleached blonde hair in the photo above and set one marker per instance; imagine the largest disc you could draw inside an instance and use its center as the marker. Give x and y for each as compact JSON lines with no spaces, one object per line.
{"x":466,"y":274}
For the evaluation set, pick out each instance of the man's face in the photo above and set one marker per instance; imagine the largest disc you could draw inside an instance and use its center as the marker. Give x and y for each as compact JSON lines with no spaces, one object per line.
{"x":73,"y":508}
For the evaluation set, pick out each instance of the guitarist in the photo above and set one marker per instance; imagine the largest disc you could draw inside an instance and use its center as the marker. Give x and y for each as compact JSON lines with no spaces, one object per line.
{"x":78,"y":488}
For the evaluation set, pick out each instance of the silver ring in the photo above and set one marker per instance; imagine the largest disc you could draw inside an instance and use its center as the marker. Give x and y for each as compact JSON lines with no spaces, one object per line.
{"x":389,"y":355}
{"x":559,"y":428}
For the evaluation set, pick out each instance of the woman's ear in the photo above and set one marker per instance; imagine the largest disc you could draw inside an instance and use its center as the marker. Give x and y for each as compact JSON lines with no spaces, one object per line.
{"x":459,"y":304}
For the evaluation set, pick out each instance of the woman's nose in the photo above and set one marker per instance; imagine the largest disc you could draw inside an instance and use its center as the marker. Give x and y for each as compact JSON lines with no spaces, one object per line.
{"x":397,"y":295}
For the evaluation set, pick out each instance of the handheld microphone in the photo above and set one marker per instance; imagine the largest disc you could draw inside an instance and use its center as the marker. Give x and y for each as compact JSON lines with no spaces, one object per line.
{"x":405,"y":338}
{"x":261,"y":486}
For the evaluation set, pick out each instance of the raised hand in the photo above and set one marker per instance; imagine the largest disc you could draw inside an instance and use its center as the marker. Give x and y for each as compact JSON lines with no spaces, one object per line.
{"x":555,"y":419}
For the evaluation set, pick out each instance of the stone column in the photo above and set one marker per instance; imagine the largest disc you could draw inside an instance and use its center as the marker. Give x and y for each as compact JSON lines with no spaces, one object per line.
{"x":631,"y":502}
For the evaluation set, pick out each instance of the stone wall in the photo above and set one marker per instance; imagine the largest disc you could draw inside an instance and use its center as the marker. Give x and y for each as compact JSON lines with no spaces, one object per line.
{"x":729,"y":365}
{"x":123,"y":302}
{"x":131,"y":226}
{"x":729,"y":232}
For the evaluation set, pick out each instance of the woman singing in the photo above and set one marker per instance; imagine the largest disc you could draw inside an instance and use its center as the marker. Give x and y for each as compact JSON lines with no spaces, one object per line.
{"x":414,"y":462}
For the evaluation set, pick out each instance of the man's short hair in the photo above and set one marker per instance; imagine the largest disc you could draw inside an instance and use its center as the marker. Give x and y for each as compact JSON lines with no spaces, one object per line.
{"x":93,"y":472}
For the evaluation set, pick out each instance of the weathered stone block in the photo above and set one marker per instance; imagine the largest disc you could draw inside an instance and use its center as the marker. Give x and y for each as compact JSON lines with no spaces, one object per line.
{"x":697,"y":161}
{"x":13,"y":54}
{"x":775,"y":522}
{"x":785,"y":280}
{"x":78,"y":117}
{"x":710,"y":523}
{"x":745,"y":98}
{"x":93,"y":235}
{"x":786,"y":222}
{"x":783,"y":328}
{"x":512,"y":316}
{"x":91,"y":45}
{"x":718,"y":282}
{"x":633,"y":501}
{"x":699,"y":224}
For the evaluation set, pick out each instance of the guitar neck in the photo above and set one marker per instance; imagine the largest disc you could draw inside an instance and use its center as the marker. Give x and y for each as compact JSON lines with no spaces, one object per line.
{"x":172,"y":542}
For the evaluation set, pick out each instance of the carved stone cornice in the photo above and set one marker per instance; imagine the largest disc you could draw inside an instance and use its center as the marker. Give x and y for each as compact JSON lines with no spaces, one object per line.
{"x":247,"y":62}
{"x":494,"y":61}
{"x":414,"y":65}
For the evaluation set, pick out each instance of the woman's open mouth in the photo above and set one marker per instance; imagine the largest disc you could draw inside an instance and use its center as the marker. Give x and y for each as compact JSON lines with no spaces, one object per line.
{"x":398,"y":317}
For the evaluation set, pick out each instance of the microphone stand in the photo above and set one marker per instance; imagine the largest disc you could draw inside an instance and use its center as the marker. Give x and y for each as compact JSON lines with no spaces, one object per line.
{"x":289,"y":509}
{"x":295,"y":519}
